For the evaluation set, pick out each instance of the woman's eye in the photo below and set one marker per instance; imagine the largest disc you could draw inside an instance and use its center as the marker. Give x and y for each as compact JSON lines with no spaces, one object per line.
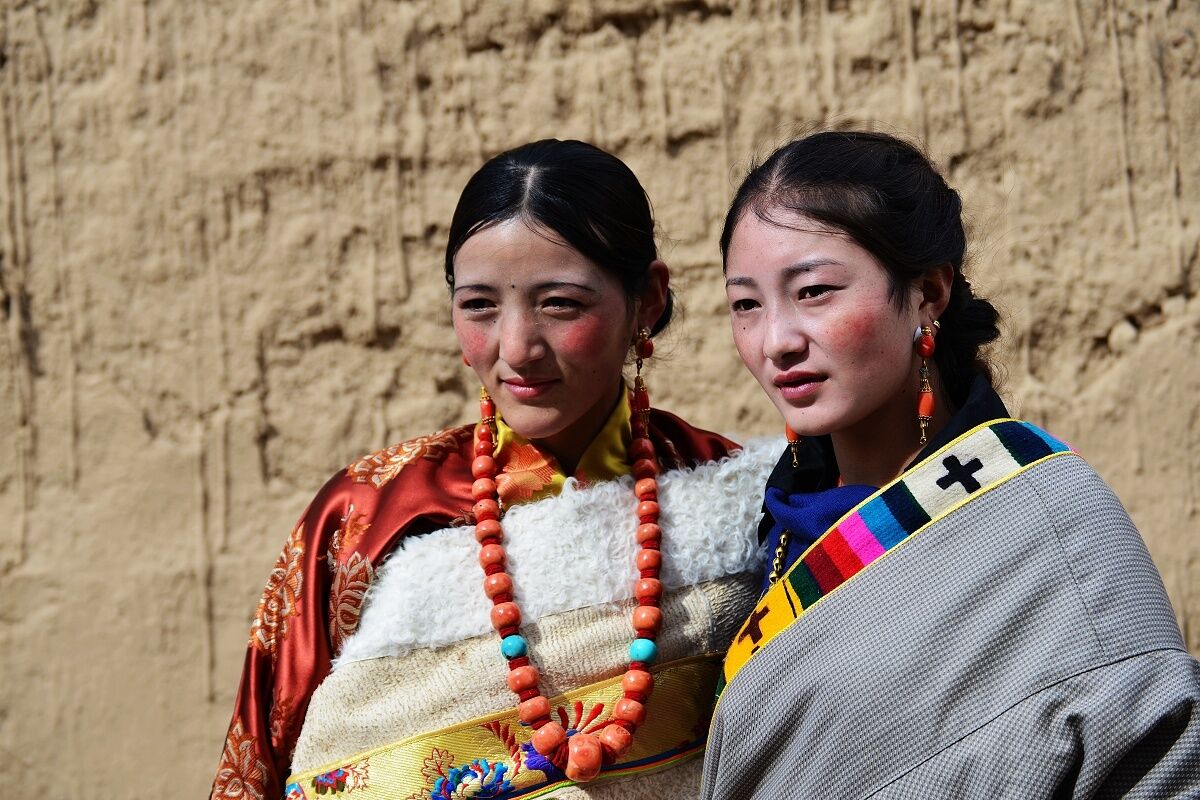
{"x":814,"y":291}
{"x":743,"y":305}
{"x":476,"y":304}
{"x":561,"y":303}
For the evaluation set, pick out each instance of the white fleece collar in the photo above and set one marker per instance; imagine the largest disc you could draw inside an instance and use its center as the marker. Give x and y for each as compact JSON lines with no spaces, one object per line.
{"x":567,"y":552}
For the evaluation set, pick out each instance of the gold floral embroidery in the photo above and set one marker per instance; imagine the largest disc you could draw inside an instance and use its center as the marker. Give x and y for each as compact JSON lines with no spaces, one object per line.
{"x":241,"y":775}
{"x":380,"y":467}
{"x":350,"y":583}
{"x":281,"y":598}
{"x":346,"y":536}
{"x":525,"y":472}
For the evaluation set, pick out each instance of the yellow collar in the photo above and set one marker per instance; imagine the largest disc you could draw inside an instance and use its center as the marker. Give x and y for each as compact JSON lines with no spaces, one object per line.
{"x":526,"y":473}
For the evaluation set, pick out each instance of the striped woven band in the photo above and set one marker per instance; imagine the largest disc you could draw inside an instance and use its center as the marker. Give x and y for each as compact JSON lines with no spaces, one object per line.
{"x":966,"y":468}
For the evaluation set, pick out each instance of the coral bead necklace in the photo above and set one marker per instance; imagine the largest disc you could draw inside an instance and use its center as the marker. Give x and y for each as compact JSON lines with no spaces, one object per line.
{"x":580,"y":755}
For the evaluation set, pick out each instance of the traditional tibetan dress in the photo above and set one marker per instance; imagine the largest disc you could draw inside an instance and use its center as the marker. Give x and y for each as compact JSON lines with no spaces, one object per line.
{"x":987,"y":625}
{"x":372,"y":669}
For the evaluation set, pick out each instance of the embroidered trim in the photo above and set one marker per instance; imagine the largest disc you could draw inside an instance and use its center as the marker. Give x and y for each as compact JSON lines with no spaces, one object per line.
{"x":281,"y":597}
{"x":492,"y":756}
{"x":966,"y":468}
{"x":383,"y":465}
{"x":241,"y":774}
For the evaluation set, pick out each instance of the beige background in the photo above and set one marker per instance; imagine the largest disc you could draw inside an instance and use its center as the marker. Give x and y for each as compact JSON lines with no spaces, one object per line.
{"x":221,"y":229}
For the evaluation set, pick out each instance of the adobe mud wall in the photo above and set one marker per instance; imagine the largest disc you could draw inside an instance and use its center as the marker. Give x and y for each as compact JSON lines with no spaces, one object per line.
{"x":220,"y":238}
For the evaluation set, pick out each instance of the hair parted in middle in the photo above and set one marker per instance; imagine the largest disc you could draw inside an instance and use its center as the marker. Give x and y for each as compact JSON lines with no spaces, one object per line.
{"x":584,"y":195}
{"x":887,"y":196}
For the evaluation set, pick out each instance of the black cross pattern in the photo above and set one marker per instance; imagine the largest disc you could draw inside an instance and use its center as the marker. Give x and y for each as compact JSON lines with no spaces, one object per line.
{"x":752,"y":628}
{"x":960,"y":473}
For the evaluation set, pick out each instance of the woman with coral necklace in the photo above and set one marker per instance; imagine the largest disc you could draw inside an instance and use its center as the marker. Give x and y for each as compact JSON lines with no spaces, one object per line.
{"x":957,"y":606}
{"x":533,"y":602}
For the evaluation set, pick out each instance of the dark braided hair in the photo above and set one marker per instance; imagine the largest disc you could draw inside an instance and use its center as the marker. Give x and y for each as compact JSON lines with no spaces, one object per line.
{"x":886,"y":195}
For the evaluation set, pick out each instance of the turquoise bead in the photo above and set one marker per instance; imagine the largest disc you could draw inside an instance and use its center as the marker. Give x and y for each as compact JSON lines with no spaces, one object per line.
{"x":643,"y":650}
{"x":513,"y":646}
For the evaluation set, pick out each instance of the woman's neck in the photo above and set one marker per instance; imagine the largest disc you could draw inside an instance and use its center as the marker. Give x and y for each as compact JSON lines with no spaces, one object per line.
{"x":568,"y":446}
{"x":876,"y":450}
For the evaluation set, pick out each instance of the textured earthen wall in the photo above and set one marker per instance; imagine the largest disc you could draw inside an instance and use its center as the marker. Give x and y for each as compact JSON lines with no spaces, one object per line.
{"x":219,"y":262}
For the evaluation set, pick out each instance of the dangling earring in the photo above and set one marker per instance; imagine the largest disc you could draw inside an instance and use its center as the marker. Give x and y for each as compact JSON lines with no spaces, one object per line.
{"x":643,"y":348}
{"x":793,"y":444}
{"x":926,"y":345}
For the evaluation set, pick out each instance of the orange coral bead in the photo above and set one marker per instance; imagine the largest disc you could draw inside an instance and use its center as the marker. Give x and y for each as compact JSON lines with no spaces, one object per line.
{"x":523,"y":678}
{"x":648,"y":588}
{"x":483,"y":489}
{"x":484,"y":447}
{"x":497,"y":583}
{"x":647,"y":510}
{"x":925,"y":404}
{"x":648,"y":532}
{"x":487,"y":407}
{"x":483,"y":467}
{"x":491,"y":554}
{"x":647,"y":618}
{"x":925,"y":345}
{"x":646,"y":489}
{"x":584,"y":757}
{"x":649,"y":559}
{"x":645,"y":468}
{"x":505,"y":615}
{"x":641,"y":448}
{"x":630,"y":711}
{"x":533,"y":709}
{"x":486,"y":509}
{"x":638,"y":680}
{"x":549,"y":738}
{"x":616,"y":739}
{"x":488,"y":528}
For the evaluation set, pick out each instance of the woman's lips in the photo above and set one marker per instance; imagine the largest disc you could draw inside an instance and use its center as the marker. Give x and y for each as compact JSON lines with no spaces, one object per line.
{"x":528,"y":389}
{"x":798,"y":385}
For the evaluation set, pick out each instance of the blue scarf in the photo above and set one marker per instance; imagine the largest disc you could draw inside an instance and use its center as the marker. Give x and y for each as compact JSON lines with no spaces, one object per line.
{"x":807,"y":515}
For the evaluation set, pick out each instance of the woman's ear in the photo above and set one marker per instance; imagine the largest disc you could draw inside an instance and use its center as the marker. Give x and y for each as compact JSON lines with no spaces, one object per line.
{"x":654,"y":297}
{"x":934,"y":286}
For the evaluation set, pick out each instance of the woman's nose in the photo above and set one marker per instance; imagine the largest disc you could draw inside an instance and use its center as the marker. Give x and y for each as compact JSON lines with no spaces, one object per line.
{"x":784,"y":340}
{"x":521,"y":340}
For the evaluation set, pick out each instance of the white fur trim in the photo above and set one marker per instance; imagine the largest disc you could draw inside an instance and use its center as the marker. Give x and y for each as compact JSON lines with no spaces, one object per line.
{"x":567,"y":552}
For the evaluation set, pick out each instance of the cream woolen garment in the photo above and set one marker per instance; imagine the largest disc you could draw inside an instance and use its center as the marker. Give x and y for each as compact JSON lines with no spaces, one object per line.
{"x":425,"y":657}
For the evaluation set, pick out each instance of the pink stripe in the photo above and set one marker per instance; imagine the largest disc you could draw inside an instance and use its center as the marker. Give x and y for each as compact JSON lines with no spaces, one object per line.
{"x":861,"y":541}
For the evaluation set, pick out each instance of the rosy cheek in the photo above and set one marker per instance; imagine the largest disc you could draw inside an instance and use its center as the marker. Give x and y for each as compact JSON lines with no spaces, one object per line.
{"x":472,"y":338}
{"x":583,"y":336}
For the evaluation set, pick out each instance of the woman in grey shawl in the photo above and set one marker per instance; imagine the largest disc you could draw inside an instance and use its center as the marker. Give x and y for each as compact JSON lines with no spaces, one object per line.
{"x":957,"y":605}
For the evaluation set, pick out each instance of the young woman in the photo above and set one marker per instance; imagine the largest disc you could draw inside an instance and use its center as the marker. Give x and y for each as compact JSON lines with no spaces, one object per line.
{"x":533,"y":601}
{"x":957,"y":606}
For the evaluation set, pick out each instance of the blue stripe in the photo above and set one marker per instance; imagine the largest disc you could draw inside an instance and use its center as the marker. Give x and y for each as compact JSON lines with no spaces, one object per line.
{"x":882,"y":523}
{"x":1054,"y":444}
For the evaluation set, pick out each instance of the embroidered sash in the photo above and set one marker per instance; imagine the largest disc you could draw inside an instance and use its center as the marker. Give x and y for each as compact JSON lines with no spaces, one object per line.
{"x":966,"y":468}
{"x":492,"y":757}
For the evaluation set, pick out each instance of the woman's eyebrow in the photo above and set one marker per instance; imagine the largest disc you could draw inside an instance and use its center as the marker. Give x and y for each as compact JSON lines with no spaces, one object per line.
{"x":788,"y":272}
{"x":552,"y":285}
{"x":473,"y":287}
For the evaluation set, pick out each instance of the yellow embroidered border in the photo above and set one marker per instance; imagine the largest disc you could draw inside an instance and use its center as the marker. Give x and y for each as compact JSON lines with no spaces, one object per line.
{"x":491,"y":754}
